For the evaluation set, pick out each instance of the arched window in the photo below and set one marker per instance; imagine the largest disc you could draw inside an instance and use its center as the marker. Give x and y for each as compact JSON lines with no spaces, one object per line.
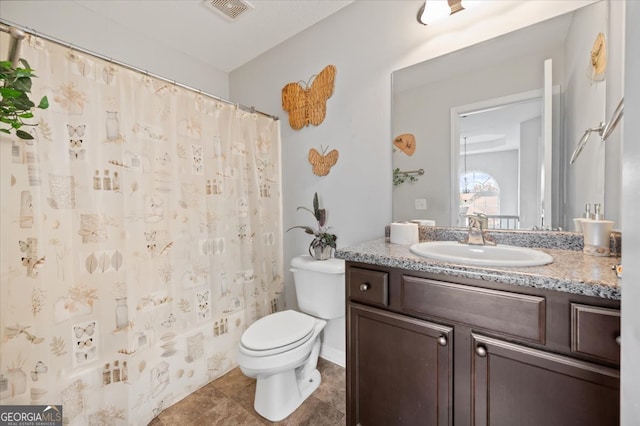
{"x":479,"y":193}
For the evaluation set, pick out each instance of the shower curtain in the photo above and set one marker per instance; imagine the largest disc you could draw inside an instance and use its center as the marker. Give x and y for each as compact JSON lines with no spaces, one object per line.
{"x":141,"y":235}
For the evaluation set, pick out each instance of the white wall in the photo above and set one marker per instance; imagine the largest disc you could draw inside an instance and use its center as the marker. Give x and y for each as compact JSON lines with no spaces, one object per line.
{"x":79,"y":26}
{"x":530,"y":165}
{"x":615,"y":90}
{"x":584,"y":108}
{"x":596,"y":175}
{"x":631,"y":221}
{"x":366,"y":41}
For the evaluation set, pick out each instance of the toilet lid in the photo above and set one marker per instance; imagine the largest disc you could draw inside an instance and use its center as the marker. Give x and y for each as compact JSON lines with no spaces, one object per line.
{"x":276,"y":330}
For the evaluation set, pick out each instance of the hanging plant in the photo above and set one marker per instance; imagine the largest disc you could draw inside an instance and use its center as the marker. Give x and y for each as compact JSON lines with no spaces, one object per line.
{"x":15,"y":105}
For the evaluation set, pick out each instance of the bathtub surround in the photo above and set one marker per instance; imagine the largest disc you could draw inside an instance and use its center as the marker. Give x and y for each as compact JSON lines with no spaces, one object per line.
{"x":141,"y":234}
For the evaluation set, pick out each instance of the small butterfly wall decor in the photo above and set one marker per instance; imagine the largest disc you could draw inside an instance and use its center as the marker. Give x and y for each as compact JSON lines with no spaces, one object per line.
{"x":322,"y":163}
{"x":308,"y":105}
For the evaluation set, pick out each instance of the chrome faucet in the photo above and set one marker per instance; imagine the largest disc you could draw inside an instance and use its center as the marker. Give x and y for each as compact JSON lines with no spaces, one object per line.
{"x":477,"y":235}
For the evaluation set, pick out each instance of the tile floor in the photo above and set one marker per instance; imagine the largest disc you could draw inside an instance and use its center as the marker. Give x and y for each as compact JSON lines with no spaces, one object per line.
{"x":228,"y":400}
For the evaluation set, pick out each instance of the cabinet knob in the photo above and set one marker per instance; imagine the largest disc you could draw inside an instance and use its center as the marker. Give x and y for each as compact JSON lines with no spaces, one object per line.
{"x":365,"y":286}
{"x":442,"y":340}
{"x":618,"y":339}
{"x":481,"y":351}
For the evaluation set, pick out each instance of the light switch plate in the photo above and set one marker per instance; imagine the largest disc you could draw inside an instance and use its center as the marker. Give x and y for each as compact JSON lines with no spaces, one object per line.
{"x":421,"y":204}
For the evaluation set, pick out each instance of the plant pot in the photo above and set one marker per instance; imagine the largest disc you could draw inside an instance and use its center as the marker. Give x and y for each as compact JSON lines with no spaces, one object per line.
{"x":320,"y":253}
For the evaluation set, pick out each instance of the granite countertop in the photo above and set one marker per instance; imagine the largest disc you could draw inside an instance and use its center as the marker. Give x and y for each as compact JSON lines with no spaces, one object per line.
{"x":572,"y":271}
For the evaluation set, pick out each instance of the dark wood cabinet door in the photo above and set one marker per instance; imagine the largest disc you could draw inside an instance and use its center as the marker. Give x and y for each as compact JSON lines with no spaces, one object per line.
{"x":399,"y":369}
{"x":516,"y":385}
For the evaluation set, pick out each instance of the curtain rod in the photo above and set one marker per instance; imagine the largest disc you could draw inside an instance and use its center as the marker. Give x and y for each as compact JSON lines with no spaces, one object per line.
{"x":5,"y":26}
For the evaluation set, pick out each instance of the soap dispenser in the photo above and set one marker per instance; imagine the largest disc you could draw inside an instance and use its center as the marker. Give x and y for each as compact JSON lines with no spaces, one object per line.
{"x":597,"y":212}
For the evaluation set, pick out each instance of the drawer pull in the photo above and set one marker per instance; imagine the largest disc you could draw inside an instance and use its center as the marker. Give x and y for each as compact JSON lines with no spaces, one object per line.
{"x":442,"y":340}
{"x":365,"y":286}
{"x":618,"y":340}
{"x":481,"y":351}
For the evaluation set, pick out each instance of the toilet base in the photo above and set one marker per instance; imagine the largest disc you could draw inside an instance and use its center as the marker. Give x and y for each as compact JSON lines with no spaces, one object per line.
{"x":279,"y":395}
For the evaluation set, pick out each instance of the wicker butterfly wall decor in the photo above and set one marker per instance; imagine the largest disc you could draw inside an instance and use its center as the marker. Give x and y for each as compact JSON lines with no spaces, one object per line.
{"x":322,"y":163}
{"x":308,"y":105}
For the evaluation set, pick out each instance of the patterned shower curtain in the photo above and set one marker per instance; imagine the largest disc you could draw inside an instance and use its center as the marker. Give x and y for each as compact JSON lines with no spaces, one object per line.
{"x":141,"y":235}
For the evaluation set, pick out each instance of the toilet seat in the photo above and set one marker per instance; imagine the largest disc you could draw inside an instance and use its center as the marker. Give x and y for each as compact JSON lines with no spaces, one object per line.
{"x":276,"y":333}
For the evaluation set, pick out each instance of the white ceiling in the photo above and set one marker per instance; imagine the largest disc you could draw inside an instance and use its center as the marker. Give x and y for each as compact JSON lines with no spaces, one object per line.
{"x":497,"y":129}
{"x":198,"y":31}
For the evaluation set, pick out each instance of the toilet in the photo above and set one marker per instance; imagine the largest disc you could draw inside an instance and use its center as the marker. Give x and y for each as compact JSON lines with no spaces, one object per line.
{"x":281,"y":350}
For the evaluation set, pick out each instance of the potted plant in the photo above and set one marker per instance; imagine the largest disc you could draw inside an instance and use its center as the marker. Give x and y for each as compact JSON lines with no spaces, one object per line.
{"x":15,"y":105}
{"x":323,"y":241}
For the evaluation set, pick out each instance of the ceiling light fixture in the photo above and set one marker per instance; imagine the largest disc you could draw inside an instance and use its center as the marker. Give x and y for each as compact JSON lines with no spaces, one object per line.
{"x":435,"y":10}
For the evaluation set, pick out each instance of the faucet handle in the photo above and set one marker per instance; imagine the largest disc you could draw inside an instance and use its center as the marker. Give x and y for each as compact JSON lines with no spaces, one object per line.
{"x":484,"y":220}
{"x":475,"y":222}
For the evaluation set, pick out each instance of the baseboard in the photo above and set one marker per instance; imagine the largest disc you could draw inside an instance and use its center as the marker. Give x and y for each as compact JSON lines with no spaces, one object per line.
{"x":334,"y":355}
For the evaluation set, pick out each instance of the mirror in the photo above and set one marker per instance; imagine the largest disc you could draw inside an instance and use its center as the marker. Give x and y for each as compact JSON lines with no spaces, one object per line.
{"x":499,"y":165}
{"x":465,"y":93}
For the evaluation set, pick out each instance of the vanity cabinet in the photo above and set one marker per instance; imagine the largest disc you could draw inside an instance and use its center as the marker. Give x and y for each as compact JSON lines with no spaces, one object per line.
{"x":517,"y":385}
{"x":427,"y":349}
{"x":402,"y":368}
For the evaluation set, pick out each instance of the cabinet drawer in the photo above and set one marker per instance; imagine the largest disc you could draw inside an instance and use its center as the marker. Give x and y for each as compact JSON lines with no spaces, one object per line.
{"x":518,"y":315}
{"x":368,"y":286}
{"x":595,"y":332}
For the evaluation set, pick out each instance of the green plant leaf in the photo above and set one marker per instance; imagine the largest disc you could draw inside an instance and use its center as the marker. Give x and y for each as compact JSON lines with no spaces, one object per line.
{"x":307,"y":229}
{"x":323,"y":217}
{"x":23,"y":135}
{"x":44,"y":103}
{"x":316,"y":211}
{"x":23,"y":84}
{"x":23,"y":73}
{"x":15,"y":105}
{"x":10,"y":93}
{"x":23,"y":103}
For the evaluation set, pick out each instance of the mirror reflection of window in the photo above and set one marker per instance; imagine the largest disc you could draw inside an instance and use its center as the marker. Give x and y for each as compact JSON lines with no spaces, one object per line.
{"x":501,"y":146}
{"x":479,"y":193}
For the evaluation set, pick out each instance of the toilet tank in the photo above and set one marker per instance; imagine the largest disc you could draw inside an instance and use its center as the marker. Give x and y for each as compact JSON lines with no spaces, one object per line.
{"x":320,"y":286}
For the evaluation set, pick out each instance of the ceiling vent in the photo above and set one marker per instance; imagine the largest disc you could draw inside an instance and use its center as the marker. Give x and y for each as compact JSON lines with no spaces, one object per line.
{"x":229,"y":9}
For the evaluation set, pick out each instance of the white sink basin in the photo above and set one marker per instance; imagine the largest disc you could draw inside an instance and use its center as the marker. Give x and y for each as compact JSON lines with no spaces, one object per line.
{"x":500,"y":255}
